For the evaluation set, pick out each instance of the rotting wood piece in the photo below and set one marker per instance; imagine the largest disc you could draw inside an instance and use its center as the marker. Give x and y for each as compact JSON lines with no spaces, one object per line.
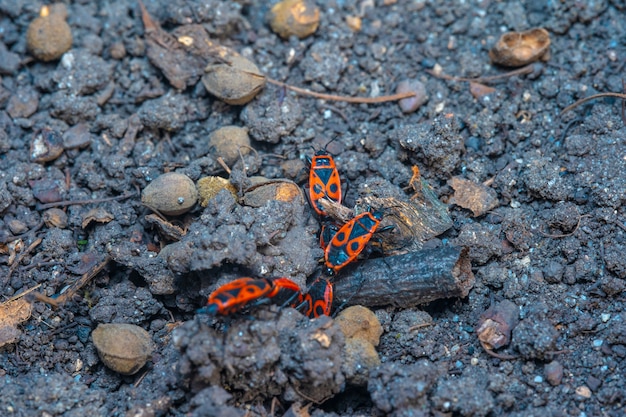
{"x":407,"y":280}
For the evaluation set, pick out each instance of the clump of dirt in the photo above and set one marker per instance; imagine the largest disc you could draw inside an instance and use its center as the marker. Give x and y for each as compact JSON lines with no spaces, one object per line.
{"x":281,"y":354}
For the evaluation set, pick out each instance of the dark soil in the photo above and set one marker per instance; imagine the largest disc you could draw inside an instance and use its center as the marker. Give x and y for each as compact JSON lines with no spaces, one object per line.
{"x":554,"y":245}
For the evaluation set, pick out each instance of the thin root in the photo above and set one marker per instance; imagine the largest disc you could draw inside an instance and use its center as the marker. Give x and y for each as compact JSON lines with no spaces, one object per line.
{"x":419,"y":326}
{"x":593,"y":97}
{"x":501,"y":356}
{"x":80,"y":202}
{"x":332,"y":97}
{"x":520,"y":71}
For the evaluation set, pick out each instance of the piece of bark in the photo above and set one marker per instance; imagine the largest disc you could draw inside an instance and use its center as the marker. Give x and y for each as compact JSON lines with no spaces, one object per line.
{"x":407,"y":280}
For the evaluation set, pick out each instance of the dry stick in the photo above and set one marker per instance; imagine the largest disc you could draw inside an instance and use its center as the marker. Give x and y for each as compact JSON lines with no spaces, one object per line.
{"x":624,"y":103}
{"x":220,"y":161}
{"x":20,"y":295}
{"x":520,"y":71}
{"x":357,"y":100}
{"x":500,"y":356}
{"x":407,"y":280}
{"x":593,"y":97}
{"x":72,"y":289}
{"x":22,"y":256}
{"x":79,"y":202}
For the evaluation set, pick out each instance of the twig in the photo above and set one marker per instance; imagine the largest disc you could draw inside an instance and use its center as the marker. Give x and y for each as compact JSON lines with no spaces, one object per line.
{"x":619,"y":224}
{"x":80,"y":202}
{"x":593,"y":97}
{"x":20,"y":295}
{"x":419,"y":326}
{"x":22,"y":256}
{"x":520,"y":71}
{"x":72,"y":289}
{"x":332,"y":97}
{"x":220,"y":161}
{"x":500,"y":356}
{"x":141,"y":378}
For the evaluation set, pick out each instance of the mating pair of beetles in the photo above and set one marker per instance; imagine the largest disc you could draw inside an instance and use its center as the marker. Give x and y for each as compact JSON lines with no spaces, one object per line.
{"x":342,"y":244}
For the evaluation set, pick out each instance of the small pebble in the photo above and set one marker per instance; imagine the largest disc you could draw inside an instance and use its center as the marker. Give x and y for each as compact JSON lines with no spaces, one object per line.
{"x":55,"y":217}
{"x":597,"y":343}
{"x":359,"y":358}
{"x":77,"y":136}
{"x":593,"y":383}
{"x":49,"y":36}
{"x":410,"y":104}
{"x":117,"y":50}
{"x":553,"y":373}
{"x":230,"y":143}
{"x":46,"y":146}
{"x":295,"y":18}
{"x":583,"y":391}
{"x":538,"y":379}
{"x":361,"y":323}
{"x":605,"y":317}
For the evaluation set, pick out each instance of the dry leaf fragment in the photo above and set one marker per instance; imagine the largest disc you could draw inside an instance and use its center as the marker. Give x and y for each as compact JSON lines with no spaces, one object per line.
{"x":12,"y":313}
{"x":515,"y":49}
{"x":478,"y":90}
{"x":97,"y":214}
{"x":167,"y":229}
{"x":14,"y":247}
{"x":475,"y":197}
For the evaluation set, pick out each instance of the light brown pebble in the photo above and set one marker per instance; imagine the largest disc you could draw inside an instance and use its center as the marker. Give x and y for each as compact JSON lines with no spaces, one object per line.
{"x":354,"y":23}
{"x":230,"y":143}
{"x":359,"y":322}
{"x":77,"y":136}
{"x":295,"y":18}
{"x":171,"y":194}
{"x":359,"y":358}
{"x":123,"y":348}
{"x":583,"y":391}
{"x":117,"y":50}
{"x":49,"y":36}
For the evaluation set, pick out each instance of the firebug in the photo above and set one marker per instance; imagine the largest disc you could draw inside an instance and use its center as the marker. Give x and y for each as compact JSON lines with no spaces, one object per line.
{"x":236,"y":295}
{"x":318,"y":300}
{"x":350,"y":240}
{"x":324,"y":180}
